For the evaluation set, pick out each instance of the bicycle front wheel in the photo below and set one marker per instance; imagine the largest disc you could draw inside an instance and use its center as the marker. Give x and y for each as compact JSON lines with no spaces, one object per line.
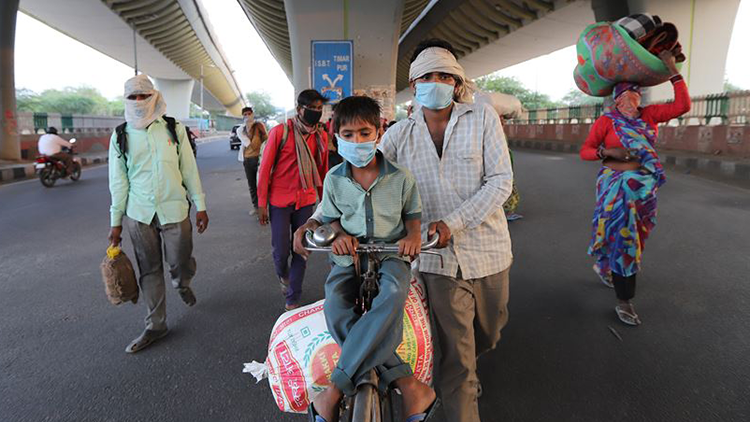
{"x":367,"y":404}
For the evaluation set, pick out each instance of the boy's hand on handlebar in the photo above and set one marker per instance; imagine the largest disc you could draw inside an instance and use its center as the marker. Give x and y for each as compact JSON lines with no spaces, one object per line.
{"x":345,"y":244}
{"x":411,"y":245}
{"x":442,"y":230}
{"x":298,"y":243}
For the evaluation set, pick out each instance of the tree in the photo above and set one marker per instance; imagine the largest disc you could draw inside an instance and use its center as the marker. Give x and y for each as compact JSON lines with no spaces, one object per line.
{"x":116,"y":107}
{"x":575,"y":97}
{"x":27,"y":100}
{"x":69,"y":100}
{"x":260,"y":101}
{"x":730,"y":87}
{"x":508,"y":85}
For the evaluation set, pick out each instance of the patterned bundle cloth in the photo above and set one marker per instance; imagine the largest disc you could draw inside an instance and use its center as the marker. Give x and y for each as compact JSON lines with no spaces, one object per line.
{"x":625,"y":211}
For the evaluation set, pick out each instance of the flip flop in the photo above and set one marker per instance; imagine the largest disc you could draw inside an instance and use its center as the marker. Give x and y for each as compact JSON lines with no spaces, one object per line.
{"x":513,"y":217}
{"x":147,"y":338}
{"x":427,"y":415}
{"x":607,"y":281}
{"x":313,"y":416}
{"x":629,"y":318}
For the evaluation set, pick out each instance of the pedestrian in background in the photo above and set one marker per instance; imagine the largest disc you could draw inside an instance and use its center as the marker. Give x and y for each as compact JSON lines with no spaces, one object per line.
{"x":252,"y":134}
{"x":624,"y":140}
{"x":295,"y":161}
{"x":333,"y":154}
{"x":152,"y":171}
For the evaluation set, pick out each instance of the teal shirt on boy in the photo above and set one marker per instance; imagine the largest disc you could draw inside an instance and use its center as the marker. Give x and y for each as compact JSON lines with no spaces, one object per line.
{"x":373,"y":215}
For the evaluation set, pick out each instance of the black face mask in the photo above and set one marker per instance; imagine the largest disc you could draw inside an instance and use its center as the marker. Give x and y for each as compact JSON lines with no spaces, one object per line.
{"x":311,"y":117}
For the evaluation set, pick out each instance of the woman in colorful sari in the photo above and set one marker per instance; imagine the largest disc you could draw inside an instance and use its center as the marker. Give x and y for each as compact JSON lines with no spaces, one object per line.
{"x":625,"y":213}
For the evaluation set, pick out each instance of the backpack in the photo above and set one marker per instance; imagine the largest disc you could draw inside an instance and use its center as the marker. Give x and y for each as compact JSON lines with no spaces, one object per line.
{"x":284,"y":138}
{"x":122,"y":134}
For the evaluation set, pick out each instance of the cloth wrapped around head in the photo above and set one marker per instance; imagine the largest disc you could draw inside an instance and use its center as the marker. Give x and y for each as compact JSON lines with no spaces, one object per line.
{"x":141,"y":113}
{"x":438,"y":59}
{"x":623,"y":87}
{"x":628,"y":105}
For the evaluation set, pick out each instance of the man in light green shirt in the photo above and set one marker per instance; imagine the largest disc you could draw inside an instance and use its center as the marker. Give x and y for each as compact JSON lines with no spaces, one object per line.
{"x":151,"y":176}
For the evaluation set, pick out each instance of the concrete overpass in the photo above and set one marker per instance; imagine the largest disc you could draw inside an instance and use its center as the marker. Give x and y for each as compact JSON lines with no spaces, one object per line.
{"x":170,"y":40}
{"x":488,"y":35}
{"x":174,"y":39}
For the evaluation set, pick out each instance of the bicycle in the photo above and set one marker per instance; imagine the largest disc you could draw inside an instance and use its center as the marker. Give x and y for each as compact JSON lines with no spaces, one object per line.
{"x":368,"y":404}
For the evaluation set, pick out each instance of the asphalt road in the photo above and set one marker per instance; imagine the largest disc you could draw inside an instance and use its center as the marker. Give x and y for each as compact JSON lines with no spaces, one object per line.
{"x":62,"y":344}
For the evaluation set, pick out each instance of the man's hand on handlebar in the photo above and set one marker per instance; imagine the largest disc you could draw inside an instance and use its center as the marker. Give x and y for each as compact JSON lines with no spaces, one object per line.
{"x":442,"y":230}
{"x":298,"y":242}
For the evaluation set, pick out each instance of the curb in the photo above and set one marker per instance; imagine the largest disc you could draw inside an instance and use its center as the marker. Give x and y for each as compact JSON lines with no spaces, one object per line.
{"x":27,"y":170}
{"x":738,"y":171}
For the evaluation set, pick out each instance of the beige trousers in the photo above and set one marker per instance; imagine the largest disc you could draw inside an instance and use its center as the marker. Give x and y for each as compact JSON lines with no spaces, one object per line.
{"x":467,"y":318}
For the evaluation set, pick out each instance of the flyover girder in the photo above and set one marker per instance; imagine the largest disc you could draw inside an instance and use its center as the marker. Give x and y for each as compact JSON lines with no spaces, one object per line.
{"x":164,"y":30}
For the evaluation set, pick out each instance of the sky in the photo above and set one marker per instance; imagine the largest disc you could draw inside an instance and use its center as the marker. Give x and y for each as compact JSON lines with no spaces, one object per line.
{"x":37,"y":45}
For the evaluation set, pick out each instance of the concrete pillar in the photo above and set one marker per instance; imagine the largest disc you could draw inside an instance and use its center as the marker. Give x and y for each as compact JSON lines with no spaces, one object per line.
{"x":374,"y":26}
{"x":10,"y":143}
{"x":705,"y":28}
{"x":177,"y":93}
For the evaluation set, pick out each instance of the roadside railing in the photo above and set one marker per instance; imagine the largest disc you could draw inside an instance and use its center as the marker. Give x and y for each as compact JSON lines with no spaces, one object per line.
{"x":36,"y":123}
{"x":731,"y":108}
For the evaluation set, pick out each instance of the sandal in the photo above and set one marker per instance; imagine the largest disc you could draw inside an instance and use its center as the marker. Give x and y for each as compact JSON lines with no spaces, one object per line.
{"x":629,"y":318}
{"x":147,"y":338}
{"x":605,"y":279}
{"x":427,"y":415}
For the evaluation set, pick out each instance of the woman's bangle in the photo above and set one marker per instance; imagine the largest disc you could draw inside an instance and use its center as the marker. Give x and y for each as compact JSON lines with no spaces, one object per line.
{"x":600,"y":153}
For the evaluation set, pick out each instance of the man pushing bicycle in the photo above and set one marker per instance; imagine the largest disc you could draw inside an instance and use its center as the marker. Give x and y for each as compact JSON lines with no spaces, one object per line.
{"x":368,"y":199}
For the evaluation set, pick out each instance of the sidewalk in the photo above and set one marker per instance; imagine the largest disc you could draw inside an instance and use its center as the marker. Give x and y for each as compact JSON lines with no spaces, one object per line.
{"x":736,"y":170}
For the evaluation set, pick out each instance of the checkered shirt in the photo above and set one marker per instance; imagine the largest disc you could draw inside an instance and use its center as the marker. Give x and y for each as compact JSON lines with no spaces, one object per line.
{"x":466,"y":188}
{"x":638,"y":26}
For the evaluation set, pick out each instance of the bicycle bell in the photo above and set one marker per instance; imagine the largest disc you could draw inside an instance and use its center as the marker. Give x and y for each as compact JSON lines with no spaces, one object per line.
{"x":324,"y":235}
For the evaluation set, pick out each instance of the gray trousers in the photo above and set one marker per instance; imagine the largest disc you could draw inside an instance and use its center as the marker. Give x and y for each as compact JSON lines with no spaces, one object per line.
{"x":177,"y":240}
{"x":369,"y":341}
{"x":467,"y":318}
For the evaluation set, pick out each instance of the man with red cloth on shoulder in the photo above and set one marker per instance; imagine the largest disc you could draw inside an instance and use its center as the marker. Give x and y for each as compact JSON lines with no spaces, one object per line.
{"x":290,"y":182}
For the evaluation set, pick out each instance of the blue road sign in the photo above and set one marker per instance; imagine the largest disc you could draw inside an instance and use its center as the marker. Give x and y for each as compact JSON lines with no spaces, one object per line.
{"x":332,"y":68}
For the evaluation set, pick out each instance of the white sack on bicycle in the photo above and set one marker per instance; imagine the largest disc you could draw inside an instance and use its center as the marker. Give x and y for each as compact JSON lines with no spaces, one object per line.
{"x":302,"y":354}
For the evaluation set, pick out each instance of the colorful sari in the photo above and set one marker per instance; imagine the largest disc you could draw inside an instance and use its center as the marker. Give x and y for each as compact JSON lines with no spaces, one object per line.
{"x":625,"y":210}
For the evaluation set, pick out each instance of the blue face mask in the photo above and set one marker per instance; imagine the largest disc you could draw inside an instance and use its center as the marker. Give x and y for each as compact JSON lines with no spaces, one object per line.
{"x":357,"y":154}
{"x":434,"y":95}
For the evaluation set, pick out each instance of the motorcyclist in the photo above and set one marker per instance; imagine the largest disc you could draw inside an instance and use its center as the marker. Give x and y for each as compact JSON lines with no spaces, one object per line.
{"x":50,"y":144}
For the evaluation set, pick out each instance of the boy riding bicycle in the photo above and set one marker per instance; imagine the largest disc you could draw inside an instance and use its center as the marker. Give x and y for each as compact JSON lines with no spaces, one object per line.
{"x":369,"y":199}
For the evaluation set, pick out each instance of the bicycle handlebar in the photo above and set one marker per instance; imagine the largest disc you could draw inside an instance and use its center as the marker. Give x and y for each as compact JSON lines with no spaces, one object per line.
{"x":371,"y":247}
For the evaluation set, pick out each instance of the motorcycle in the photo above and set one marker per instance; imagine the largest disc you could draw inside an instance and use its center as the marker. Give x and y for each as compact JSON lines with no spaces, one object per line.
{"x":49,"y":169}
